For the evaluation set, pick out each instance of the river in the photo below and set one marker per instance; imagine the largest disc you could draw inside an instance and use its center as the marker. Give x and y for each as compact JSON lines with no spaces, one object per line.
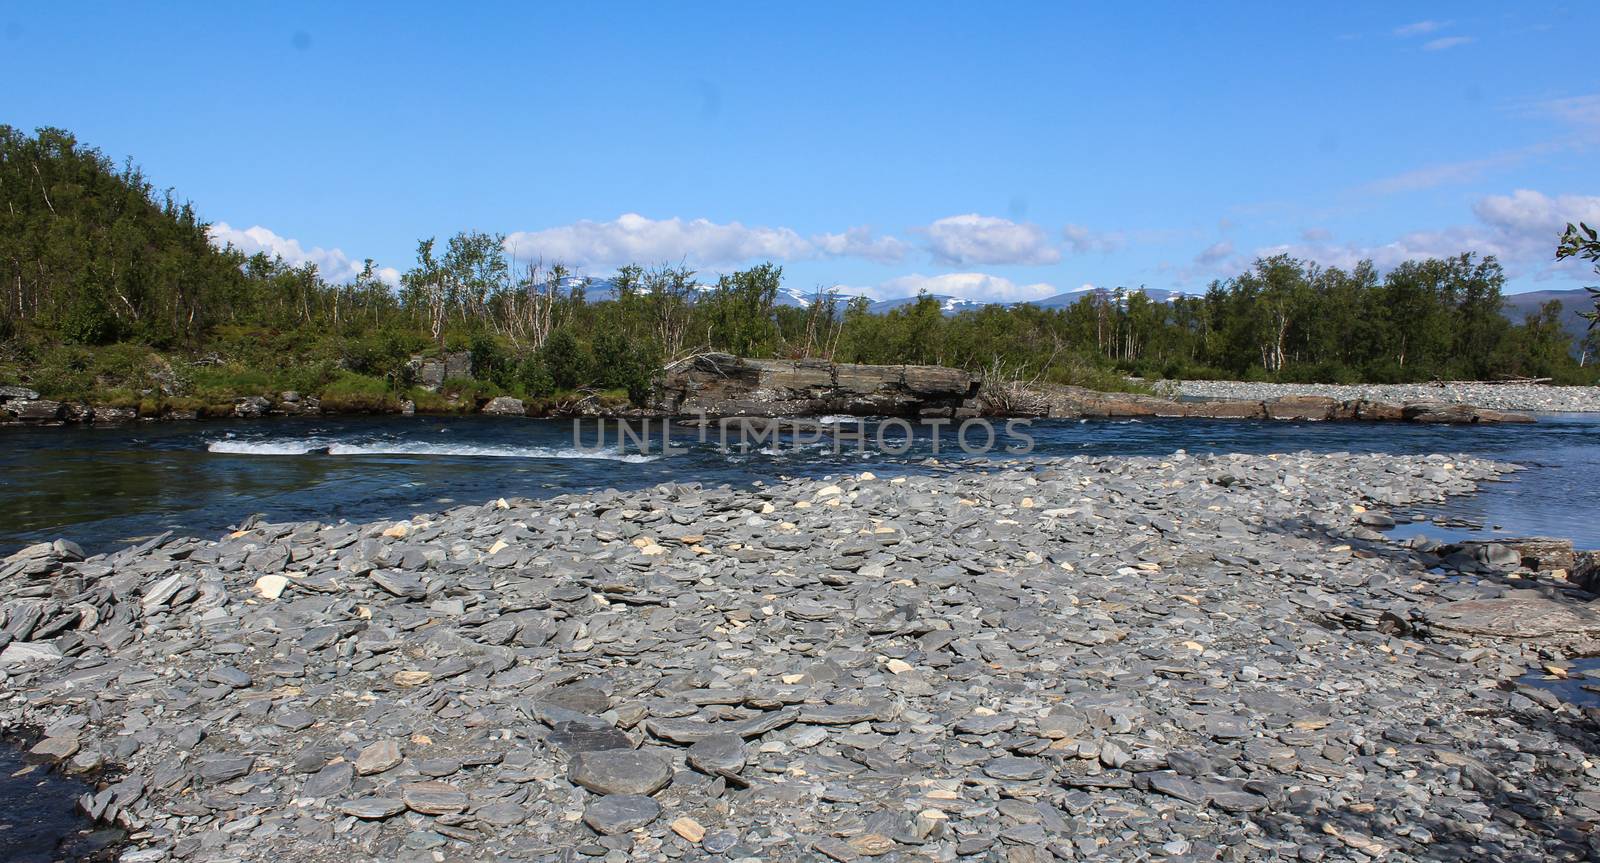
{"x":104,"y":487}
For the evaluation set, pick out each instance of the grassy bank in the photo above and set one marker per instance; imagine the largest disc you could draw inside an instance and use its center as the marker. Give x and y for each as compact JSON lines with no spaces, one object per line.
{"x":253,"y":363}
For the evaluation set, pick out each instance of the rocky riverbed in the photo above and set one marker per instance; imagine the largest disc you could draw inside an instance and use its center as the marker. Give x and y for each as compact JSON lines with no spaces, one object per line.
{"x":1503,"y":397}
{"x":1179,"y":658}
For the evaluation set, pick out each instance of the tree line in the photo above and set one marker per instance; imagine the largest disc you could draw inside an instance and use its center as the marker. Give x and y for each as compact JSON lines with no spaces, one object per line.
{"x":95,"y":262}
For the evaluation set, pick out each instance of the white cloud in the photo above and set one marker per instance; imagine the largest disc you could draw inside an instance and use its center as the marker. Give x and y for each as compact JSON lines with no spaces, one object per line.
{"x":975,"y":239}
{"x":635,"y":239}
{"x":333,"y":264}
{"x":1520,"y":229}
{"x":1217,"y":260}
{"x":1446,"y":43}
{"x":981,"y":287}
{"x":1081,"y":240}
{"x":1448,"y":173}
{"x":1420,"y":28}
{"x":1581,"y":114}
{"x":859,"y":242}
{"x":632,"y":238}
{"x":1580,"y":111}
{"x":1214,"y":253}
{"x":1533,"y":216}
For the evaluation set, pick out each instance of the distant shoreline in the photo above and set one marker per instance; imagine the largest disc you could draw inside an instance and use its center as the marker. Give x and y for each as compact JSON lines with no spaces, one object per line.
{"x":1539,"y":398}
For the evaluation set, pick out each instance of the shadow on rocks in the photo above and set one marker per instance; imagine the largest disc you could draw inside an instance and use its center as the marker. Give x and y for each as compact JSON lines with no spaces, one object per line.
{"x":1493,"y":772}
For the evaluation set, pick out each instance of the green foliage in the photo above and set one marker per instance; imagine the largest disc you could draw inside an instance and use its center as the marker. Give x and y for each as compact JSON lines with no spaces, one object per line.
{"x":533,"y":378}
{"x":627,"y":365}
{"x":566,"y":359}
{"x":91,"y":252}
{"x":739,"y":312}
{"x":1583,"y":242}
{"x":490,"y":359}
{"x":354,"y":393}
{"x":88,"y":321}
{"x":384,"y":354}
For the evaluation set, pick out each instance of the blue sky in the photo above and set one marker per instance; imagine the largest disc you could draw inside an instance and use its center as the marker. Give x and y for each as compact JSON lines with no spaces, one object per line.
{"x":1001,"y":153}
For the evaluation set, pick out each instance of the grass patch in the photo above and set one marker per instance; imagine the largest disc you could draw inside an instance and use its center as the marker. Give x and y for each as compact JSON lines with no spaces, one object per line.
{"x":353,"y":393}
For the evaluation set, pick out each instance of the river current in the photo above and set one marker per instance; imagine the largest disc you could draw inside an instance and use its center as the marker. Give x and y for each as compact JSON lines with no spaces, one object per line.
{"x":104,"y":487}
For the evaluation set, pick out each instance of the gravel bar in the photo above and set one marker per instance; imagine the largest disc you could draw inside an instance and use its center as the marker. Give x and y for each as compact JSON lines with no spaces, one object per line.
{"x":1178,"y":658}
{"x":1503,"y":397}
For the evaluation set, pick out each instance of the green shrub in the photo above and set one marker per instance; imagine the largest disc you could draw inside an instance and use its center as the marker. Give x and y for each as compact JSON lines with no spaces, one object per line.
{"x":626,"y":365}
{"x":534,"y":378}
{"x":490,"y":359}
{"x":88,"y":321}
{"x":566,"y":359}
{"x":64,"y":373}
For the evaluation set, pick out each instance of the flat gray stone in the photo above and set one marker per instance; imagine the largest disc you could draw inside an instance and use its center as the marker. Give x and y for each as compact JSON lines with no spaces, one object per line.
{"x":221,"y":768}
{"x":378,"y":757}
{"x":1016,"y":768}
{"x":718,"y":755}
{"x":330,"y":781}
{"x":620,"y":771}
{"x":373,"y":808}
{"x":620,"y":813}
{"x":432,"y":797}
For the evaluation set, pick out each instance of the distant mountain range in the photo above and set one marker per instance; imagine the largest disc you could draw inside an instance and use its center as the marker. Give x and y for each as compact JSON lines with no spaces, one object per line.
{"x":1516,"y":308}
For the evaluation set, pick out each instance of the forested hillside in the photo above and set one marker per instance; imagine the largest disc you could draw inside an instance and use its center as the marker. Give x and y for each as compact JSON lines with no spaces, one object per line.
{"x":112,"y":292}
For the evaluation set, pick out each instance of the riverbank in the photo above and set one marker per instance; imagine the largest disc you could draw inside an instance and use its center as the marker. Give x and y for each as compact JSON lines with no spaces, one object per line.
{"x":718,"y":385}
{"x":1505,"y":397}
{"x":1087,"y":657}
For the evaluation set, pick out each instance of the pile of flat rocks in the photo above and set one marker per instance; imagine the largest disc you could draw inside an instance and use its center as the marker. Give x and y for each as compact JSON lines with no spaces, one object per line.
{"x":1179,"y":658}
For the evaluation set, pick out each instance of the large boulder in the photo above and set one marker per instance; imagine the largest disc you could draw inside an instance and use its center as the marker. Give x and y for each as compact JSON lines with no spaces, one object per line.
{"x":1542,"y":553}
{"x":35,"y":410}
{"x":251,"y":407}
{"x":17,"y":394}
{"x":725,"y":385}
{"x":431,"y":373}
{"x":505,"y":406}
{"x":1070,"y":402}
{"x":104,"y":415}
{"x":1378,"y":411}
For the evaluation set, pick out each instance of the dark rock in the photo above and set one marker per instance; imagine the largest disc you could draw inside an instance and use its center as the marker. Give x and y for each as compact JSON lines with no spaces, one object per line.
{"x":620,"y":813}
{"x":620,"y":771}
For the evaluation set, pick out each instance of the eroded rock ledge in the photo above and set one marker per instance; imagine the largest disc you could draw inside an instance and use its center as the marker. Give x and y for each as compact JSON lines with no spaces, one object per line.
{"x":725,"y":385}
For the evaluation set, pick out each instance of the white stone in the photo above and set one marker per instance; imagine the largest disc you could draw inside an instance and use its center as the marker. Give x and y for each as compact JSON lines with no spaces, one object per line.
{"x":271,"y":586}
{"x":20,"y":652}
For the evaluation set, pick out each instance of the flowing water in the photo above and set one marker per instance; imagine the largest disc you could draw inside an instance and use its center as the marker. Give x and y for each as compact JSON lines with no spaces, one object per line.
{"x":105,"y":487}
